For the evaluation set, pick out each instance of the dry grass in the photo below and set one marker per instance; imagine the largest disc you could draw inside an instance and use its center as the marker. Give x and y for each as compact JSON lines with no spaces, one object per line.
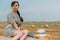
{"x":53,"y":29}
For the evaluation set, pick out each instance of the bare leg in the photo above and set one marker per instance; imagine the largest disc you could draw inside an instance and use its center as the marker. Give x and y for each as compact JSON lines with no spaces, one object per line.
{"x":25,"y":32}
{"x":17,"y":35}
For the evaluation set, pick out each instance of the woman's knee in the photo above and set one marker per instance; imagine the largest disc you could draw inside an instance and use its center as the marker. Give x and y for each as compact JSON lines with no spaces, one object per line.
{"x":26,"y":31}
{"x":20,"y":33}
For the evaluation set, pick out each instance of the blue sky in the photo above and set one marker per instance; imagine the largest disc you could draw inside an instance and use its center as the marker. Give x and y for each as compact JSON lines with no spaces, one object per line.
{"x":33,"y":10}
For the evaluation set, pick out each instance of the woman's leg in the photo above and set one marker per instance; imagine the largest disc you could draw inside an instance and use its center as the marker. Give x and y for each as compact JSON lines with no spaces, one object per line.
{"x":25,"y":32}
{"x":17,"y":35}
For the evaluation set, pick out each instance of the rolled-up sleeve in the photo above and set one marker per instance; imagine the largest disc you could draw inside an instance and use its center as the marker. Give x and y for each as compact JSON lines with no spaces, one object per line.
{"x":10,"y":19}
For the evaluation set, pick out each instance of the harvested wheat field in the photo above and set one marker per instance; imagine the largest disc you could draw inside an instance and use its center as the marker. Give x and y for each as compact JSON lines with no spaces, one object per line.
{"x":52,"y":29}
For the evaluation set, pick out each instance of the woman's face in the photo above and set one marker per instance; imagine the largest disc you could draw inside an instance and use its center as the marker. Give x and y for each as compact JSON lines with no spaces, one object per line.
{"x":15,"y":7}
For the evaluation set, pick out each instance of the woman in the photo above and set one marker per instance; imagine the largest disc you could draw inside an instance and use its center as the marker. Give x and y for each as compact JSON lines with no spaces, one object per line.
{"x":14,"y":23}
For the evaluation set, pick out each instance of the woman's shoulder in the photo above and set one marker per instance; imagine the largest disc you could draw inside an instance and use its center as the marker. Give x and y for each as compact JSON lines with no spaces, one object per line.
{"x":10,"y":14}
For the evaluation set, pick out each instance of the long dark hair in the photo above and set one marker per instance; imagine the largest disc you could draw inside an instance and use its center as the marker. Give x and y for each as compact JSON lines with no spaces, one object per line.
{"x":21,"y":19}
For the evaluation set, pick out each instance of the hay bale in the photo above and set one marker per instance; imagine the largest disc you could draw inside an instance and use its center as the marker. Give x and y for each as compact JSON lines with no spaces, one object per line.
{"x":46,"y":25}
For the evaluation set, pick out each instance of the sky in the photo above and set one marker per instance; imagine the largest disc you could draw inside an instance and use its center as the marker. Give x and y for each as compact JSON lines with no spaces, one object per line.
{"x":33,"y":10}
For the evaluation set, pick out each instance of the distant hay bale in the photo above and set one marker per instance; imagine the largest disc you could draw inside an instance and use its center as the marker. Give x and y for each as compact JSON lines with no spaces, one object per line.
{"x":1,"y":26}
{"x":33,"y":25}
{"x":58,"y":25}
{"x":51,"y":24}
{"x":46,"y":25}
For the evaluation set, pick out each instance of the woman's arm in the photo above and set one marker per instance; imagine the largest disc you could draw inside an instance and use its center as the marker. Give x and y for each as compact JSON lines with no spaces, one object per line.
{"x":21,"y":28}
{"x":11,"y":20}
{"x":16,"y":26}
